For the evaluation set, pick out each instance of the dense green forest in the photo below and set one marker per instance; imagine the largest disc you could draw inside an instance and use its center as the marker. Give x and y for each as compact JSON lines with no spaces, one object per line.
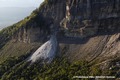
{"x":17,"y":68}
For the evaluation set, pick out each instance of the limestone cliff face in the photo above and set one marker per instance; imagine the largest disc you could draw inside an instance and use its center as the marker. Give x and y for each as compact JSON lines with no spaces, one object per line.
{"x":86,"y":18}
{"x":54,"y":9}
{"x":30,"y":35}
{"x":95,"y":22}
{"x":39,"y":28}
{"x":95,"y":8}
{"x":36,"y":29}
{"x":84,"y":8}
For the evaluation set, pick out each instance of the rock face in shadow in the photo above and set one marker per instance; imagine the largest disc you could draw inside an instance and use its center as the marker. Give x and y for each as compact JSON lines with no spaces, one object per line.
{"x":95,"y":8}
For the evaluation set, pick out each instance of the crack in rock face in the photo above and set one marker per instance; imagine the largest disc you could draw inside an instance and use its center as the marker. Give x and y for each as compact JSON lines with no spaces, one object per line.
{"x":46,"y":52}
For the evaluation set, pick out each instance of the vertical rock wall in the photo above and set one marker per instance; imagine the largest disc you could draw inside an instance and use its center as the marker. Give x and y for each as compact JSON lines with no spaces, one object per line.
{"x":93,"y":11}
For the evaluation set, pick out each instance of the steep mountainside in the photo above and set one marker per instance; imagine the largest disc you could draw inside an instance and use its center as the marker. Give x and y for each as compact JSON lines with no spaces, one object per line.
{"x":86,"y":30}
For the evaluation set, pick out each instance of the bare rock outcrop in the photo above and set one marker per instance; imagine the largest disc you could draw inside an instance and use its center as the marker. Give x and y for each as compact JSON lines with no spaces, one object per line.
{"x":95,"y":22}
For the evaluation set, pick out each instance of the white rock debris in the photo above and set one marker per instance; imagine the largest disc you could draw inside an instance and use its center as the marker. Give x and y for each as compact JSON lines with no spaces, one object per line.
{"x":46,"y":52}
